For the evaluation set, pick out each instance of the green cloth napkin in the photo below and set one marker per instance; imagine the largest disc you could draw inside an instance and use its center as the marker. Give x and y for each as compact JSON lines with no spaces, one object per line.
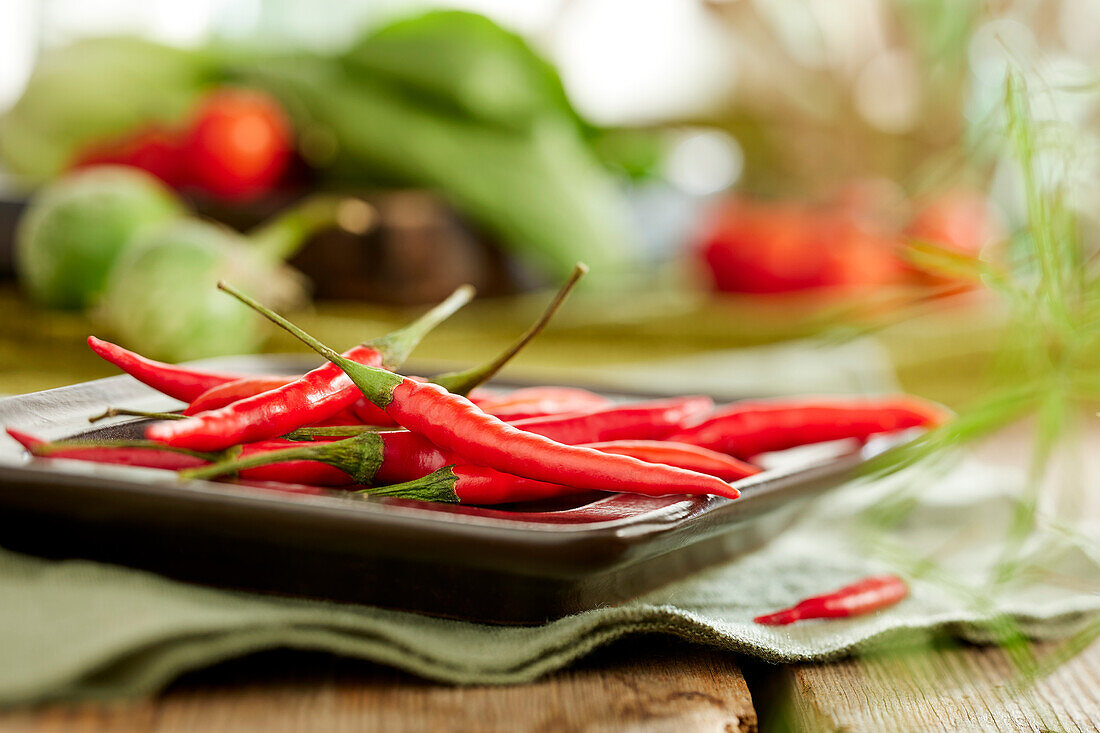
{"x":79,"y":630}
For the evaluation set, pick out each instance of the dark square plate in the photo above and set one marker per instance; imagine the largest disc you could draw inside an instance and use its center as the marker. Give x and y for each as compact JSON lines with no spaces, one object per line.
{"x":514,"y":564}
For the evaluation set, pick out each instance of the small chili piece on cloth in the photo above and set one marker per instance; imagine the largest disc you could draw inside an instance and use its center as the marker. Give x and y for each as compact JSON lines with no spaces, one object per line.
{"x":865,"y":596}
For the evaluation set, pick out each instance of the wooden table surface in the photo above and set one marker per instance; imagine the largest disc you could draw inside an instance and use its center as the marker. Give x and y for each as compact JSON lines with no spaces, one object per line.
{"x":643,"y":684}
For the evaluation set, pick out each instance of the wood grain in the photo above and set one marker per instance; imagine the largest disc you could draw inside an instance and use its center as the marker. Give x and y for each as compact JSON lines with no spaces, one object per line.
{"x":960,"y":689}
{"x":644,"y":684}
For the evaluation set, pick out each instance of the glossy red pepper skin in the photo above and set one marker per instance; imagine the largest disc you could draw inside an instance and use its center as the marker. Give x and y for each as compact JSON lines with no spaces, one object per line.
{"x":467,"y":484}
{"x":311,"y":398}
{"x":681,"y":455}
{"x":747,"y":429}
{"x":367,"y":413}
{"x":455,"y":424}
{"x":538,"y":401}
{"x":652,"y":420}
{"x":865,"y":596}
{"x":407,"y":456}
{"x":226,"y":394}
{"x":479,"y":485}
{"x":180,"y":382}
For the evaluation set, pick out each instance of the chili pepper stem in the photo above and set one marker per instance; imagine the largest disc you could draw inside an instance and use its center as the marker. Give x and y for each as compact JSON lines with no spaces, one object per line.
{"x":336,"y":431}
{"x":119,"y":411}
{"x":465,"y":381}
{"x":358,"y":457}
{"x":377,"y":385}
{"x":396,"y":346}
{"x":437,"y":486}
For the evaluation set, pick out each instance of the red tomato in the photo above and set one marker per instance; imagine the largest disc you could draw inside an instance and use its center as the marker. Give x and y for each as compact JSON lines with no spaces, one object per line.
{"x":758,"y":247}
{"x":755,"y":247}
{"x":237,"y":146}
{"x":152,"y":149}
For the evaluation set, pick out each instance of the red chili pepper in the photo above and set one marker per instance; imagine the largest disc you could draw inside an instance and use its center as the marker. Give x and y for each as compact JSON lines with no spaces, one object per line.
{"x":314,"y":397}
{"x":362,"y":460}
{"x":455,"y":424}
{"x":466,"y":484}
{"x":363,"y":411}
{"x":538,"y":401}
{"x":310,"y":473}
{"x":395,"y":456}
{"x":215,"y":398}
{"x":182,"y":383}
{"x":327,"y":390}
{"x":865,"y":596}
{"x":746,"y":429}
{"x":229,"y":392}
{"x":145,"y":454}
{"x":681,"y":455}
{"x":651,"y":420}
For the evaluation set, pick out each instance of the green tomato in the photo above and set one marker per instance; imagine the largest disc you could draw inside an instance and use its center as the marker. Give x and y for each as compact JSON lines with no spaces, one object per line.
{"x":162,"y":297}
{"x":75,"y":229}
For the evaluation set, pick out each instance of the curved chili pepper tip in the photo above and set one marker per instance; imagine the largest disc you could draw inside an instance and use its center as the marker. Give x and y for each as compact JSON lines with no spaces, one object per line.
{"x":28,"y":441}
{"x":181,"y":382}
{"x":779,"y":618}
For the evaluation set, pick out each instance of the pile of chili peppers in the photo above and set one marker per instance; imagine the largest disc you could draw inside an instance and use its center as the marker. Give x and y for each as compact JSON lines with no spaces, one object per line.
{"x":358,"y":424}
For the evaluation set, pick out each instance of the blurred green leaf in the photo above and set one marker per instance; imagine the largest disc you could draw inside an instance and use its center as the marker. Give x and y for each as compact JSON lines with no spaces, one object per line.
{"x":462,"y":64}
{"x":539,"y":189}
{"x":952,"y":263}
{"x":94,"y":89}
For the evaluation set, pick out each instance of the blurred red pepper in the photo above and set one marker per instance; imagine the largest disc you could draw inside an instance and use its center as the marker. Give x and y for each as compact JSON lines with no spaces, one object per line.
{"x":237,"y":145}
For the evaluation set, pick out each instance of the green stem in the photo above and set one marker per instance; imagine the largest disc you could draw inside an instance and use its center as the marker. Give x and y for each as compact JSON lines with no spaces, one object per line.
{"x":438,"y":486}
{"x":117,"y":411}
{"x":358,"y":457}
{"x":465,"y":381}
{"x":280,"y":238}
{"x":336,"y":431}
{"x":377,"y":385}
{"x":396,"y":346}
